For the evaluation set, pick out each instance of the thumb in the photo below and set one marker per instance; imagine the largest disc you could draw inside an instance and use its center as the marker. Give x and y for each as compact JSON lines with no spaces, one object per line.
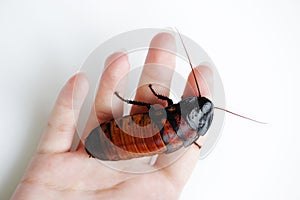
{"x":61,"y":126}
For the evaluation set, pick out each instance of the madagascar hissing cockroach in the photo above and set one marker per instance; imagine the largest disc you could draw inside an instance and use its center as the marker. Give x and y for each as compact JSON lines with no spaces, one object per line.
{"x":171,"y":128}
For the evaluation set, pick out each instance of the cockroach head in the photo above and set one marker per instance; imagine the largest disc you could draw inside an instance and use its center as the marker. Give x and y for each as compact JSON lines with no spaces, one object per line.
{"x":198,"y":113}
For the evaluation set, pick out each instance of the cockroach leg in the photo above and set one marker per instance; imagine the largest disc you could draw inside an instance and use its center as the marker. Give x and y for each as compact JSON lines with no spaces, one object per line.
{"x":138,"y":103}
{"x":159,"y":96}
{"x":195,"y":143}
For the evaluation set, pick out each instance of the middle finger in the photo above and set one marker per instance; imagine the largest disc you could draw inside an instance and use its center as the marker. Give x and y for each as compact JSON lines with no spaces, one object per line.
{"x":159,"y":67}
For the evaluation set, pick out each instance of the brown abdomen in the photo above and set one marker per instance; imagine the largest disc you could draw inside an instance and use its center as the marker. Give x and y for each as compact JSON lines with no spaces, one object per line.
{"x":135,"y":136}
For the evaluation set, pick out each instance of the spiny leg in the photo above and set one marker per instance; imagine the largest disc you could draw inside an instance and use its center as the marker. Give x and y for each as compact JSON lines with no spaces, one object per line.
{"x":170,"y":102}
{"x":138,"y":103}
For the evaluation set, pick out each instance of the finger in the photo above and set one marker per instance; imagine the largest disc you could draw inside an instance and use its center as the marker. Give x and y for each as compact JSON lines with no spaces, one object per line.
{"x":182,"y":168}
{"x":158,"y":69}
{"x":59,"y":133}
{"x":204,"y":78}
{"x":116,"y":66}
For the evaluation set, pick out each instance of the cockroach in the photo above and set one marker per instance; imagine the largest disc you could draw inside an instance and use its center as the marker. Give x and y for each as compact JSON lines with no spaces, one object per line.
{"x":173,"y":127}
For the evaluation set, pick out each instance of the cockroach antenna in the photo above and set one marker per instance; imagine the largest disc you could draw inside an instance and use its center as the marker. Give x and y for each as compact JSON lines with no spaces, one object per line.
{"x":228,"y":111}
{"x":198,"y":88}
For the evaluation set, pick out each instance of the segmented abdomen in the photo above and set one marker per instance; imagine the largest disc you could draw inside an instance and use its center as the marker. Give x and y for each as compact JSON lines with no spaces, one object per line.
{"x":139,"y":135}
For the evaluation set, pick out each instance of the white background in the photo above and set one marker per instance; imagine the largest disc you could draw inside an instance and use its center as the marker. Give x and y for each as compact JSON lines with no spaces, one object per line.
{"x":254,"y":44}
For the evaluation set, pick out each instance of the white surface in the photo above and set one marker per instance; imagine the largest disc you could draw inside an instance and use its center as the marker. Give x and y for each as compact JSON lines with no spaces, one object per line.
{"x":254,"y":44}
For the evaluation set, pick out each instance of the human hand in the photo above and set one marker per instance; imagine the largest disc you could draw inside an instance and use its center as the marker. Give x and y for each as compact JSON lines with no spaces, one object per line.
{"x":55,"y":172}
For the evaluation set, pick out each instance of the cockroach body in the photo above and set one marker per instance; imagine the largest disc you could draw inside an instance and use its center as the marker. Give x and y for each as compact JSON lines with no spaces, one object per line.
{"x":171,"y":128}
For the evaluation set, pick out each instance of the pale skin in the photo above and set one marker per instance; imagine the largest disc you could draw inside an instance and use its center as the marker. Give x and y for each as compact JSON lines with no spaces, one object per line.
{"x":55,"y":172}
